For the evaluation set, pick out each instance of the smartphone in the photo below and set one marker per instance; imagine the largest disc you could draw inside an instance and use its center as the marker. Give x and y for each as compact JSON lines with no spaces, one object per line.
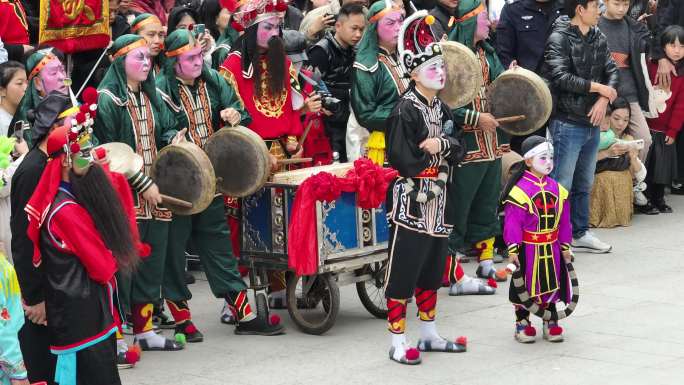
{"x":199,"y":29}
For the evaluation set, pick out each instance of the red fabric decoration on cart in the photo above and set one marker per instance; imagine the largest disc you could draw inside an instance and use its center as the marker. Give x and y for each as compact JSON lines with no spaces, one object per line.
{"x":368,"y":180}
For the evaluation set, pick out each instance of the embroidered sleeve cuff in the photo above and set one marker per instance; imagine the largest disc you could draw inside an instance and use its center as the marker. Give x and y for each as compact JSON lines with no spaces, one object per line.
{"x":444,"y":147}
{"x":140,"y":182}
{"x":565,"y":247}
{"x":513,"y":248}
{"x":472,"y":117}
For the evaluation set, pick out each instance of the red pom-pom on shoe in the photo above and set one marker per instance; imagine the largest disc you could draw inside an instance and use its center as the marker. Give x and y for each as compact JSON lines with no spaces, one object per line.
{"x":530,"y":331}
{"x":555,"y":330}
{"x":412,"y":354}
{"x":89,"y":95}
{"x":132,"y":354}
{"x":491,"y":282}
{"x":274,"y":320}
{"x":462,"y":340}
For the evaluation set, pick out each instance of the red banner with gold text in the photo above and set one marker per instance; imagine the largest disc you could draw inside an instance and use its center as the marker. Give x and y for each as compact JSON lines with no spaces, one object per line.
{"x":74,"y":25}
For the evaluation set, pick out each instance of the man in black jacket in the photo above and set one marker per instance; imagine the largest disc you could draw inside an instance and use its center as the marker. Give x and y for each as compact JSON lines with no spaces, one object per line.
{"x":443,"y":13}
{"x":521,"y":34}
{"x":333,"y":57}
{"x":583,"y":78}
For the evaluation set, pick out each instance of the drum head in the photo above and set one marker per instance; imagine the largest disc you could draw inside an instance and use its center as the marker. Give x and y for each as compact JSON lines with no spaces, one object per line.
{"x":184,"y":171}
{"x":240,"y":159}
{"x":122,"y":158}
{"x":520,"y":92}
{"x":464,"y":75}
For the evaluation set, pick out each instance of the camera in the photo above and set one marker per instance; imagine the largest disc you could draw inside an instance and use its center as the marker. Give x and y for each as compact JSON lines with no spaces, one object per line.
{"x":329,"y":102}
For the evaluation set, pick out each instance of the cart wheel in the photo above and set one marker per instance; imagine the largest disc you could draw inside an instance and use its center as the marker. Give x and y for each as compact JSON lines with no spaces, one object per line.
{"x":372,"y":292}
{"x":315,"y":311}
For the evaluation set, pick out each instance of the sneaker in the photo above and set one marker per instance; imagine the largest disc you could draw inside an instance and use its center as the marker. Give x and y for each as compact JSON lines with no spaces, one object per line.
{"x":553,"y":332}
{"x":259,"y":326}
{"x":590,"y":244}
{"x":647,"y":209}
{"x":663,"y":207}
{"x":525,"y":333}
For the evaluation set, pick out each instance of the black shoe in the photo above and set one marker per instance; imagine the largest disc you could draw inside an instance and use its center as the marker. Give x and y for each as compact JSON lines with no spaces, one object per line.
{"x":190,"y":331}
{"x":677,"y":190}
{"x":163,"y":321}
{"x":189,"y":278}
{"x":663,"y":207}
{"x":647,"y":209}
{"x":259,"y":327}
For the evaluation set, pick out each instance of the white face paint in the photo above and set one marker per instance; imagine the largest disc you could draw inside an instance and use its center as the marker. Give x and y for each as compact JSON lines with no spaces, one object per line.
{"x":543,"y":163}
{"x":433,"y":76}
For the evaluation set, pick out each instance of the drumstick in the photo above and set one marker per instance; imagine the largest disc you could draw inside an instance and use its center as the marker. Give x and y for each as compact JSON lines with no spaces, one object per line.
{"x":511,"y":119}
{"x":176,"y":201}
{"x":294,"y":160}
{"x":304,"y":135}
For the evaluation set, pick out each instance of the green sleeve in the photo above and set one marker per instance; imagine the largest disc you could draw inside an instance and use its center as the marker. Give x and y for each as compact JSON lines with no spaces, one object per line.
{"x":495,"y":66}
{"x":466,"y":116}
{"x":229,"y":98}
{"x":373,"y":96}
{"x":107,"y":122}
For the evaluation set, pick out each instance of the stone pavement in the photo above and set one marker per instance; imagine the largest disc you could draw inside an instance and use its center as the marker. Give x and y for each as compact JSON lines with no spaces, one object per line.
{"x":627,"y":329}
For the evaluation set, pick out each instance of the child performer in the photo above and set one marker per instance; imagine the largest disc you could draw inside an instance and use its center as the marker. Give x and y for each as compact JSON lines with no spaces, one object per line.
{"x":537,"y":232}
{"x":12,"y":369}
{"x":421,"y":149}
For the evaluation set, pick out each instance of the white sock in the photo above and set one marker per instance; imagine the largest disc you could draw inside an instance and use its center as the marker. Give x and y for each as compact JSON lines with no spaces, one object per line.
{"x":121,"y":346}
{"x":487,"y":266}
{"x":399,"y":344}
{"x":428,"y":332}
{"x":153,"y":339}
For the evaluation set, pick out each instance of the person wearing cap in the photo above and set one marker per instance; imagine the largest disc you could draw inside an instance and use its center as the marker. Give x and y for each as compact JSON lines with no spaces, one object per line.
{"x":45,"y":73}
{"x":316,"y":145}
{"x":538,"y":233}
{"x":34,"y":336}
{"x":377,"y":81}
{"x":151,"y":29}
{"x":201,"y":100}
{"x":422,"y":147}
{"x":477,"y":183}
{"x":131,"y":111}
{"x":81,"y":236}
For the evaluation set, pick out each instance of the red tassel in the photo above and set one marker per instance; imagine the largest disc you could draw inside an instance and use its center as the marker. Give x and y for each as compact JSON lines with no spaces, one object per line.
{"x":132,"y":355}
{"x":530,"y":331}
{"x":275,"y":319}
{"x":492,"y":283}
{"x":412,"y":354}
{"x":75,"y":147}
{"x":555,"y":330}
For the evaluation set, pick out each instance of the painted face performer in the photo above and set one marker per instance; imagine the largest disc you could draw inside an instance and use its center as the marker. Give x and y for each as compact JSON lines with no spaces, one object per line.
{"x":477,"y":184}
{"x":45,"y":73}
{"x":82,"y":236}
{"x":151,"y":29}
{"x":538,"y":233}
{"x":130,"y":111}
{"x":378,"y":79}
{"x":202,"y":101}
{"x":421,"y":147}
{"x":260,"y":71}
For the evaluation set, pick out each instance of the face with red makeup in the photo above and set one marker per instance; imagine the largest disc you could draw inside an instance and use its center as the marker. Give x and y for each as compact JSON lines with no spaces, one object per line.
{"x":267,"y":29}
{"x":388,"y":28}
{"x":138,"y":64}
{"x":189,"y":64}
{"x":51,"y":78}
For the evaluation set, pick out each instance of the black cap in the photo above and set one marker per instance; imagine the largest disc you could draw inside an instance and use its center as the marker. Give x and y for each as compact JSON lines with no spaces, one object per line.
{"x":295,"y":45}
{"x":45,"y":114}
{"x":531,"y":142}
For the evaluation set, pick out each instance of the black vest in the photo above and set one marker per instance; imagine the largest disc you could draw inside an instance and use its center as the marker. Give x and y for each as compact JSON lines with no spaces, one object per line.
{"x":77,"y":307}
